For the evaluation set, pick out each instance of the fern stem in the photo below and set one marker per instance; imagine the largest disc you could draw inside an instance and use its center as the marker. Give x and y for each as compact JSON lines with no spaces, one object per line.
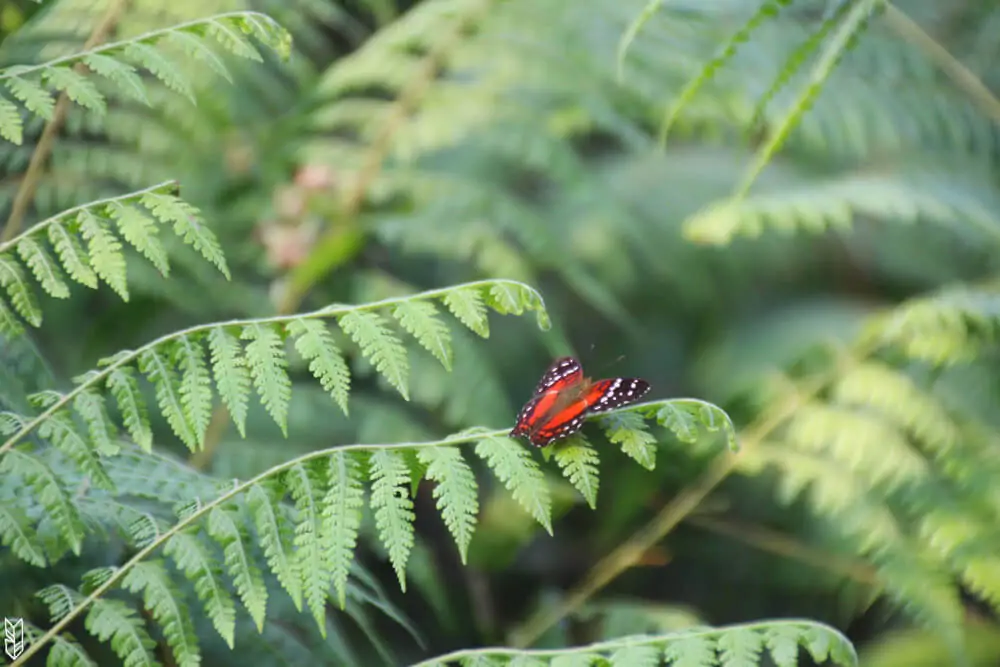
{"x":90,"y":47}
{"x":963,"y":77}
{"x":26,"y":191}
{"x":72,"y":212}
{"x":631,"y":552}
{"x":327,"y":311}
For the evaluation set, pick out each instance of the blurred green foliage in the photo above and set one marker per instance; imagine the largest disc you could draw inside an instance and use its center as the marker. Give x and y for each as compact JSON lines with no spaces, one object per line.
{"x":843,"y":310}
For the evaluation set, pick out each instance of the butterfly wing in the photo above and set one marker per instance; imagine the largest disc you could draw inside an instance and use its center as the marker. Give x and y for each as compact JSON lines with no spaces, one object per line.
{"x":561,"y":374}
{"x":614,"y":392}
{"x":561,"y":424}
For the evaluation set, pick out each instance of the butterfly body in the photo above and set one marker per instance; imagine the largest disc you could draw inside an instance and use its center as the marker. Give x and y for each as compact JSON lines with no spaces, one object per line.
{"x":564,"y":397}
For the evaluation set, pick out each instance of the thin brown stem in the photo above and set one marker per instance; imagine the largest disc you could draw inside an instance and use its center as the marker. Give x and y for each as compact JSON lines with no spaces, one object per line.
{"x":29,"y":184}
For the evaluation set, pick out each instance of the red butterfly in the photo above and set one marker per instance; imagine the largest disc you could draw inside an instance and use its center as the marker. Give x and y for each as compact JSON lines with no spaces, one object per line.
{"x":564,"y":397}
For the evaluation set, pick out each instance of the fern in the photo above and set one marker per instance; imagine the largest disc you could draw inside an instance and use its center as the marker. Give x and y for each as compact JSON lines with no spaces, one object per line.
{"x":117,"y":64}
{"x":325,"y":489}
{"x":725,"y":646}
{"x":101,"y":256}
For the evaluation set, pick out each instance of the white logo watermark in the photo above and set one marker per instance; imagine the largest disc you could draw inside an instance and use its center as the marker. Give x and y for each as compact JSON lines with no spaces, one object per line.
{"x":13,"y":637}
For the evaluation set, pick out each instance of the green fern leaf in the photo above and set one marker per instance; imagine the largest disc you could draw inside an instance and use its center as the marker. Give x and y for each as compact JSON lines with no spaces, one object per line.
{"x":767,"y":9}
{"x":116,"y":621}
{"x":232,"y":40}
{"x":67,"y":653}
{"x":682,"y":416}
{"x":196,"y":385}
{"x":691,"y":651}
{"x":875,"y":386}
{"x":105,"y":251}
{"x":161,"y":598}
{"x":380,"y":346}
{"x":419,"y":318}
{"x":315,"y":343}
{"x":62,"y":431}
{"x":274,"y":534}
{"x":517,"y":471}
{"x":200,"y":568}
{"x":306,"y":482}
{"x":456,"y":492}
{"x":141,"y":232}
{"x":508,"y":298}
{"x":855,"y":21}
{"x":158,"y":370}
{"x":71,"y":253}
{"x":36,"y":99}
{"x":188,"y":225}
{"x":232,"y":379}
{"x":12,"y":279}
{"x":341,"y":517}
{"x":467,"y":305}
{"x":44,"y":267}
{"x":195,"y":47}
{"x":579,"y":461}
{"x":393,"y":507}
{"x":16,"y":534}
{"x":823,"y":645}
{"x":11,"y":126}
{"x":783,"y":644}
{"x":89,"y":404}
{"x":876,"y":450}
{"x":153,"y":60}
{"x":123,"y":75}
{"x":125,"y":390}
{"x":576,"y":660}
{"x":77,"y":87}
{"x":246,"y":576}
{"x":740,"y":647}
{"x":636,"y":656}
{"x":9,"y":324}
{"x":628,"y":429}
{"x":265,"y":355}
{"x":49,"y":491}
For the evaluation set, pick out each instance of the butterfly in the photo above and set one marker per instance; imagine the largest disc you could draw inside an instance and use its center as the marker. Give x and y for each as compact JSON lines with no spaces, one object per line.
{"x":564,"y":397}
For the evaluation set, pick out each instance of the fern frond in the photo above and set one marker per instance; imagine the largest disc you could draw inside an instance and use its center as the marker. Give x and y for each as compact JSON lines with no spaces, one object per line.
{"x":393,"y":507}
{"x":766,"y":10}
{"x":905,"y":197}
{"x":161,"y":598}
{"x":579,"y":461}
{"x":702,"y":647}
{"x":854,"y":21}
{"x":307,"y":484}
{"x":100,"y":254}
{"x":341,"y":517}
{"x":516,"y":470}
{"x":327,"y":490}
{"x":116,"y":63}
{"x":456,"y":492}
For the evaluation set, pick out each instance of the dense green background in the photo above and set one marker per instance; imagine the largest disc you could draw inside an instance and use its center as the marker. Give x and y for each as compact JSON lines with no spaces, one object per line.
{"x":511,"y":148}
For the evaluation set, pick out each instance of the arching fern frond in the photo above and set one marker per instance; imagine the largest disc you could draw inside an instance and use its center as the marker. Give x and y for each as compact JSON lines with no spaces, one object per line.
{"x":175,"y":364}
{"x":744,"y":645}
{"x":328,"y":490}
{"x":962,"y":203}
{"x":87,"y":250}
{"x":32,"y":85}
